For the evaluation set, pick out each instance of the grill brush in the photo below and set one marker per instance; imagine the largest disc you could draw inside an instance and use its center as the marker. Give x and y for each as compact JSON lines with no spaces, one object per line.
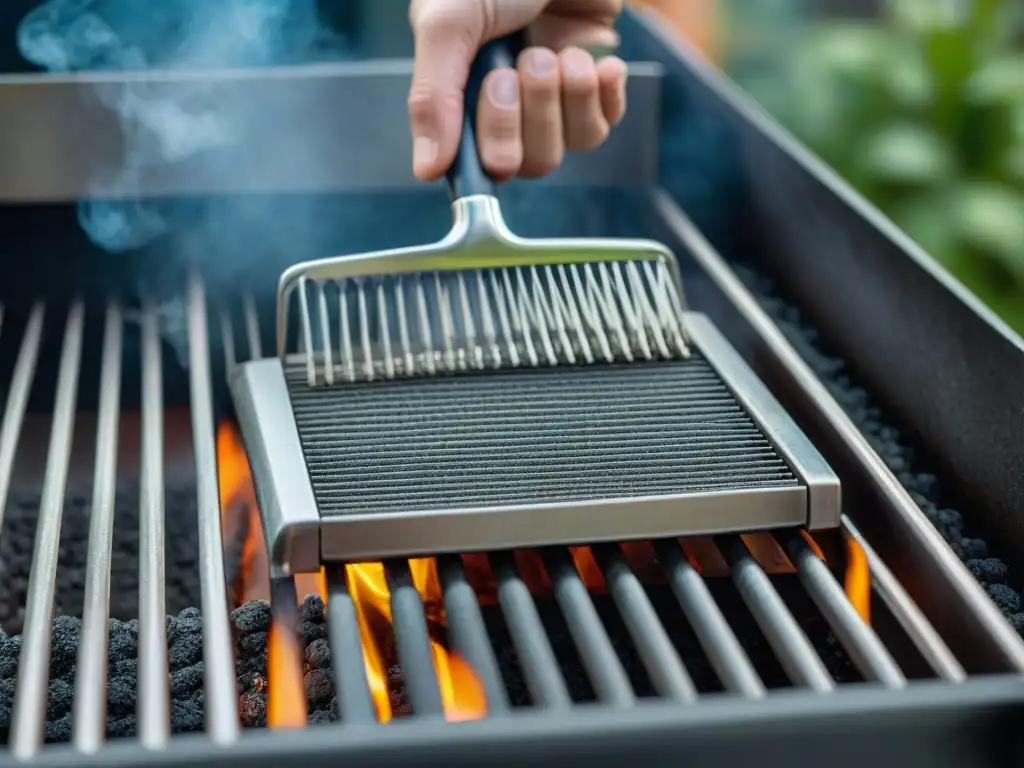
{"x":489,"y":390}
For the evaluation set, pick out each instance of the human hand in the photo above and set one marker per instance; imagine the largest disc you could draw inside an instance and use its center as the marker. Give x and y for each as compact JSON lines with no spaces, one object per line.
{"x":557,"y":98}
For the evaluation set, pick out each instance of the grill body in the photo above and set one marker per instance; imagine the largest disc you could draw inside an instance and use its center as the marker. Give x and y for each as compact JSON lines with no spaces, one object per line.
{"x":528,"y":457}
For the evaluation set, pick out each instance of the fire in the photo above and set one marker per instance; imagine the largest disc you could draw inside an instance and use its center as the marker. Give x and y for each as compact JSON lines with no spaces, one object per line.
{"x":858,"y":578}
{"x":461,"y":690}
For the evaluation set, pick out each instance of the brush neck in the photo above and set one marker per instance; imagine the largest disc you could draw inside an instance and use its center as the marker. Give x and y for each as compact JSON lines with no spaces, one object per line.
{"x":479,"y":216}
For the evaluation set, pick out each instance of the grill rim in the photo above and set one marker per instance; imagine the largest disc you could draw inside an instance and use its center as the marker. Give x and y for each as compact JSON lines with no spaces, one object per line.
{"x":299,"y":539}
{"x":974,"y":721}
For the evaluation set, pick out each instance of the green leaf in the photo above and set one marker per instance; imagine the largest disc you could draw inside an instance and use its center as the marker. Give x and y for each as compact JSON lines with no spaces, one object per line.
{"x":856,"y":50}
{"x":1013,"y":162}
{"x":908,"y":153}
{"x":929,"y":16}
{"x":1000,"y":81}
{"x":908,"y":78}
{"x":990,"y":217}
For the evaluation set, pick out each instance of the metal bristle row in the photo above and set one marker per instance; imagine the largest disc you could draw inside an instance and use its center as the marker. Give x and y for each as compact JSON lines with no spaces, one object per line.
{"x":366,"y":328}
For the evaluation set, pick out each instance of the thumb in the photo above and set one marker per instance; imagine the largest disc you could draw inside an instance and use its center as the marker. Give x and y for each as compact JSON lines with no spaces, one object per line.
{"x":448,"y":34}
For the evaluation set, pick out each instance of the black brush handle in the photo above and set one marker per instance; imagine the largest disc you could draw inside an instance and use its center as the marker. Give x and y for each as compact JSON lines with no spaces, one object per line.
{"x":467,"y":176}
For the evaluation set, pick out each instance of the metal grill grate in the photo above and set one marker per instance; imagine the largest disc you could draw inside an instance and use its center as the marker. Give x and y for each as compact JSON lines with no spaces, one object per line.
{"x":646,"y":626}
{"x":529,"y":436}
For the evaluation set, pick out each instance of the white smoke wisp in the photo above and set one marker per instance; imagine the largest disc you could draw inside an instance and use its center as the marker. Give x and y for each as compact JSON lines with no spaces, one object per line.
{"x":77,"y":35}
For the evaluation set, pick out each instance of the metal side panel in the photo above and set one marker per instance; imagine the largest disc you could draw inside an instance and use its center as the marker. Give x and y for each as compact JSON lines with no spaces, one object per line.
{"x":824,"y":502}
{"x":316,"y":128}
{"x":926,"y":346}
{"x":929,"y":724}
{"x":291,"y":522}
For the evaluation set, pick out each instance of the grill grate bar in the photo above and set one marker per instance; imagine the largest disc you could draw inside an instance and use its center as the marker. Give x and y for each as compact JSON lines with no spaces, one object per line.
{"x":89,"y":708}
{"x":28,"y":718}
{"x":601,"y":662}
{"x":220,"y":697}
{"x":467,"y":632}
{"x":154,"y":693}
{"x":918,"y":628}
{"x":17,"y":399}
{"x":866,"y":650}
{"x":533,"y":647}
{"x":667,"y":673}
{"x":351,"y":685}
{"x":412,"y":642}
{"x":794,"y":651}
{"x":720,"y":644}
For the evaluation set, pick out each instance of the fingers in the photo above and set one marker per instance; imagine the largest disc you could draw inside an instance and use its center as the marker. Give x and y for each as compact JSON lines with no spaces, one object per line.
{"x":585,"y":123}
{"x":445,"y":47}
{"x":543,"y":142}
{"x":611,"y":77}
{"x":448,"y":34}
{"x":499,"y":124}
{"x":529,"y":116}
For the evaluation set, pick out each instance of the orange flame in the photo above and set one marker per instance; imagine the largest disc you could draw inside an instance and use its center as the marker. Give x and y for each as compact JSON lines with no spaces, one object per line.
{"x":286,"y":690}
{"x":461,"y":691}
{"x":858,"y":578}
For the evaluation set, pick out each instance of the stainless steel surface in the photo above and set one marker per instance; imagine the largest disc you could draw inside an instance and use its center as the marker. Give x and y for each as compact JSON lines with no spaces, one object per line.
{"x":667,"y":673}
{"x":923,"y":552}
{"x":17,"y":399}
{"x":220,"y":695}
{"x":317,"y":128}
{"x":28,"y":717}
{"x":288,"y":510}
{"x":903,"y":607}
{"x":468,"y":634}
{"x":154,"y":691}
{"x":824,"y":500}
{"x":597,"y":653}
{"x":533,"y":648}
{"x":412,"y":642}
{"x":375,"y":537}
{"x":781,"y":630}
{"x":269,"y":426}
{"x":716,"y":637}
{"x":351,"y":686}
{"x":484,"y":297}
{"x":89,"y":710}
{"x":866,"y":651}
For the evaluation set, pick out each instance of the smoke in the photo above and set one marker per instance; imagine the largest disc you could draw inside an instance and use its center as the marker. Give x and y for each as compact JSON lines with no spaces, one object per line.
{"x":161,"y":128}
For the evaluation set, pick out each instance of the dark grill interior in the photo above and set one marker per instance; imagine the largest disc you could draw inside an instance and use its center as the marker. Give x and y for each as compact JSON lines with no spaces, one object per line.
{"x":544,"y":435}
{"x":892,"y":445}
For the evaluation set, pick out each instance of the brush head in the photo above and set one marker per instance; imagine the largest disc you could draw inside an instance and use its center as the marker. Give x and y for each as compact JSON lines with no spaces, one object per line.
{"x":482,"y":298}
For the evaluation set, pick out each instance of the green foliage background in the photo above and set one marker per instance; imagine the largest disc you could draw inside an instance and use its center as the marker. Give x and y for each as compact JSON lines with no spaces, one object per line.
{"x":920,"y":105}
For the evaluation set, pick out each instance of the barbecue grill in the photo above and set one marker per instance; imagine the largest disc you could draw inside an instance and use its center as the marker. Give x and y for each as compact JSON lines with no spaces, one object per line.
{"x":126,"y":492}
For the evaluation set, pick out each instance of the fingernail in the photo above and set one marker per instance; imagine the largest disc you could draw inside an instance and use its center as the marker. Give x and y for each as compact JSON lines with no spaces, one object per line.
{"x":543,"y":62}
{"x":424,"y":151}
{"x":577,"y":62}
{"x":504,"y":89}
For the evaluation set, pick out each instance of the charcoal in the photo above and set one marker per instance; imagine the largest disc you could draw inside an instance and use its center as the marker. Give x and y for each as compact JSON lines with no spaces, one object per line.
{"x":18,"y":536}
{"x":184,"y":642}
{"x":920,"y":480}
